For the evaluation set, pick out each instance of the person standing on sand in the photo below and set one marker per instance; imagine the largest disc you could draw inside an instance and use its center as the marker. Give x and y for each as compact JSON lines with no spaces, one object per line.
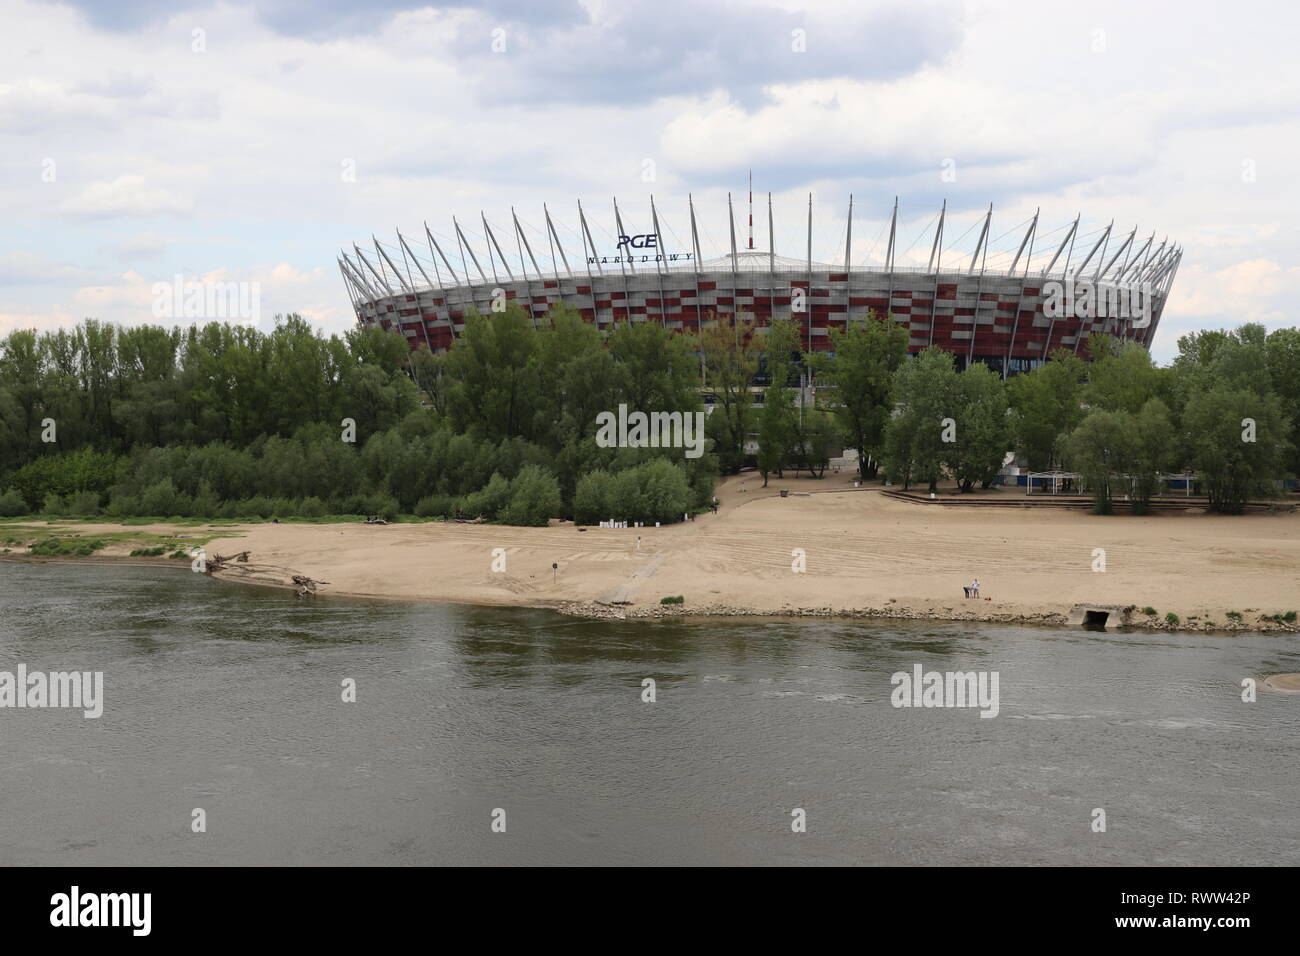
{"x":975,"y":588}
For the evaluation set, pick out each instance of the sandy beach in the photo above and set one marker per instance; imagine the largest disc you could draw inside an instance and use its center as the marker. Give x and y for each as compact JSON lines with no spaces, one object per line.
{"x":865,"y":553}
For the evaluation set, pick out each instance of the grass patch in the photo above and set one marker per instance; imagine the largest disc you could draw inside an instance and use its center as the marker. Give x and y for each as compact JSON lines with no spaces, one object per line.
{"x":149,"y":552}
{"x":673,"y":600}
{"x":54,"y":547}
{"x":1234,"y":615}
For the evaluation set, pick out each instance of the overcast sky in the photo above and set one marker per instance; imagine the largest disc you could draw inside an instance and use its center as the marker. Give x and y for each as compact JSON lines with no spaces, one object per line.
{"x":141,"y":139}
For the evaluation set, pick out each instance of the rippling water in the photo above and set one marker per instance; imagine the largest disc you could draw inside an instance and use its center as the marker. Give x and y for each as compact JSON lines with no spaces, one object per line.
{"x":228,"y":698}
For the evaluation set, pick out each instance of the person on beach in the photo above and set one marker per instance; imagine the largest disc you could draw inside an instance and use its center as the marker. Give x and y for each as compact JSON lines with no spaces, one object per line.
{"x":975,"y":588}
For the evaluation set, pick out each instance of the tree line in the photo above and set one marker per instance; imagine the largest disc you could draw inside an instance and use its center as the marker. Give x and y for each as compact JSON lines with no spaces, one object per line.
{"x":1227,"y":408}
{"x":225,"y":421}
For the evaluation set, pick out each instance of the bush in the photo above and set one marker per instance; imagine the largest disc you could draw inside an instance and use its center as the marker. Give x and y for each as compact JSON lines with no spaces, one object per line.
{"x":534,"y":498}
{"x":678,"y":599}
{"x":433,"y":506}
{"x":84,"y":503}
{"x":66,"y":547}
{"x":1171,"y":619}
{"x":385,"y":506}
{"x":147,"y":552}
{"x":1289,"y":616}
{"x":1149,"y":610}
{"x":285,"y":507}
{"x":656,"y":490}
{"x":54,"y":505}
{"x":63,"y":475}
{"x":489,"y":501}
{"x":258,"y":506}
{"x":123,"y":505}
{"x":12,"y":504}
{"x":591,"y":496}
{"x":312,"y":507}
{"x":1234,"y":615}
{"x":162,"y":499}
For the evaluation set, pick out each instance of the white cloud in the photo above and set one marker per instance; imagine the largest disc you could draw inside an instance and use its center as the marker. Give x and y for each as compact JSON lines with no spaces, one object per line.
{"x":240,"y":148}
{"x":125,"y":196}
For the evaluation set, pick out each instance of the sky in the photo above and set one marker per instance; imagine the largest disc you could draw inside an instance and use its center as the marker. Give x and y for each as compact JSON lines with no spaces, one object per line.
{"x":142,"y":140}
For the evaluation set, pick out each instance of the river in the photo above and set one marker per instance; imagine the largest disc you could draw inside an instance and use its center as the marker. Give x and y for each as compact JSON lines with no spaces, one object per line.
{"x":229,"y":699}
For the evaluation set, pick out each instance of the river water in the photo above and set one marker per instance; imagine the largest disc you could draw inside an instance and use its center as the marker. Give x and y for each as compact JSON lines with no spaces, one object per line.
{"x":228,"y":699}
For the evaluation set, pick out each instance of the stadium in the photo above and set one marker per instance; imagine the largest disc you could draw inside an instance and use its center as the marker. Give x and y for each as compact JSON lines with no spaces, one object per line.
{"x":1045,"y":290}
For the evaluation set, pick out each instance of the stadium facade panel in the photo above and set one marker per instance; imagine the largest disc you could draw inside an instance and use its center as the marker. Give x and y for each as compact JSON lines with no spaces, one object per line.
{"x":1011,"y":319}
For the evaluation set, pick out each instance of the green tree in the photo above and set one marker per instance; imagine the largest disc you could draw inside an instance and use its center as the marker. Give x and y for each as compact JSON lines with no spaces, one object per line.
{"x":925,"y":391}
{"x":1103,"y":443}
{"x":731,"y":353}
{"x":979,"y":408}
{"x":861,"y":377}
{"x":1045,"y":404}
{"x":1239,"y":440}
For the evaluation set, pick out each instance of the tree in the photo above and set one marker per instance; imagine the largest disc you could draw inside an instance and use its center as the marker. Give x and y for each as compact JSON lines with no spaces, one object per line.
{"x":731,"y":351}
{"x":925,"y":393}
{"x":1045,"y":407}
{"x":861,"y":374}
{"x":778,"y":429}
{"x":1152,"y":453}
{"x":1122,"y":376}
{"x":1239,"y":440}
{"x":979,"y":408}
{"x":1101,"y":442}
{"x":534,"y":498}
{"x":494,"y":374}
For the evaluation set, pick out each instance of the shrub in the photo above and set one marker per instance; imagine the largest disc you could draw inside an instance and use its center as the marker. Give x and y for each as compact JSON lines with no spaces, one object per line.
{"x":432,"y":506}
{"x":489,"y":501}
{"x":12,"y":504}
{"x":147,"y":552}
{"x":385,"y":506}
{"x":54,"y":505}
{"x":63,"y":475}
{"x":162,"y":499}
{"x":1289,"y":616}
{"x":285,"y":507}
{"x":1171,"y":619}
{"x":123,"y":505}
{"x":312,"y":507}
{"x":84,"y":503}
{"x":1234,"y":615}
{"x":66,"y":547}
{"x":258,"y":506}
{"x":678,"y":599}
{"x":1149,"y":610}
{"x":591,"y":496}
{"x":534,"y":498}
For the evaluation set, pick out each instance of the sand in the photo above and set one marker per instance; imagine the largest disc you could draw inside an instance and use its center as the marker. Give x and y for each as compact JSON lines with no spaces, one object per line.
{"x":864,"y":552}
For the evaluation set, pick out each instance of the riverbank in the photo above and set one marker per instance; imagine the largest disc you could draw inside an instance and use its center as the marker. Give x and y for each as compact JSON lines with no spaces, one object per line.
{"x":827,"y":549}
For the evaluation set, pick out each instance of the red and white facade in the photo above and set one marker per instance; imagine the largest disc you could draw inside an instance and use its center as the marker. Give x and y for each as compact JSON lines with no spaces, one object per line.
{"x":1009,"y":319}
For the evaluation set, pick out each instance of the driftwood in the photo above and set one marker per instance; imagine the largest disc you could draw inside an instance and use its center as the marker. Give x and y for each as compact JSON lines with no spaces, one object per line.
{"x":238,"y":566}
{"x":306,"y":586}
